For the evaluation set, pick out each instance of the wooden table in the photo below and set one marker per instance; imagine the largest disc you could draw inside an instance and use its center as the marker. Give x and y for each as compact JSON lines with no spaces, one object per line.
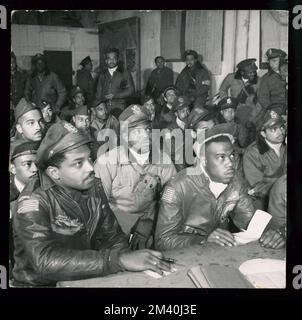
{"x":207,"y":254}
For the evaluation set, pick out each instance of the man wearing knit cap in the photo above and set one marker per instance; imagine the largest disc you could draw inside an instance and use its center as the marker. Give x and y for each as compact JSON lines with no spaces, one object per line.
{"x":43,"y":84}
{"x":64,"y":228}
{"x":202,"y":202}
{"x":272,"y":88}
{"x":194,"y":80}
{"x":85,"y":80}
{"x":265,"y":160}
{"x":131,"y":180}
{"x":29,"y":121}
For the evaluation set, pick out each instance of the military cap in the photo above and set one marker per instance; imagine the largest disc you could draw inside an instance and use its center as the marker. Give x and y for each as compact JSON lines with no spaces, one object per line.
{"x":222,"y":129}
{"x":135,"y":115}
{"x":190,"y":53}
{"x":170,"y":88}
{"x":180,"y":103}
{"x":270,"y":119}
{"x":97,"y":102}
{"x":199,"y":114}
{"x":85,"y":61}
{"x":37,"y":57}
{"x":274,"y":53}
{"x":227,"y":102}
{"x":75,"y":90}
{"x":60,"y":137}
{"x":44,"y":103}
{"x":23,"y":107}
{"x":246,"y":63}
{"x":81,"y":111}
{"x":22,"y":147}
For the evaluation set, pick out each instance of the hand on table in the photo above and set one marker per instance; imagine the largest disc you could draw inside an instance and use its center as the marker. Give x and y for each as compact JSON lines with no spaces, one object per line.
{"x":222,"y":237}
{"x":144,"y":260}
{"x":272,"y":239}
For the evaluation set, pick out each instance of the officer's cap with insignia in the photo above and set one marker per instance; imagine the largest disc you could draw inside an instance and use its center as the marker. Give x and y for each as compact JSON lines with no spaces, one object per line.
{"x":23,"y":107}
{"x":75,"y":90}
{"x":85,"y":61}
{"x":22,"y":147}
{"x":247,"y":63}
{"x":168,"y":89}
{"x":190,"y":53}
{"x":274,"y":53}
{"x":222,"y":129}
{"x":135,"y":115}
{"x":81,"y":111}
{"x":199,"y":114}
{"x":37,"y":57}
{"x":181,"y":103}
{"x":44,"y":103}
{"x":269,"y":120}
{"x":227,"y":102}
{"x":60,"y":137}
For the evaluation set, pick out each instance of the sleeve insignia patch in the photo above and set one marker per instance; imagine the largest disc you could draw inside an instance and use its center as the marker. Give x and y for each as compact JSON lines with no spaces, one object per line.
{"x":169,"y":195}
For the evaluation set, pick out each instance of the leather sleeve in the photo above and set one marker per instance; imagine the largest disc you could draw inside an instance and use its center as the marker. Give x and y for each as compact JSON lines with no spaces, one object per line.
{"x":202,"y":83}
{"x":169,"y":229}
{"x":224,"y":87}
{"x":264,"y":92}
{"x":48,"y":258}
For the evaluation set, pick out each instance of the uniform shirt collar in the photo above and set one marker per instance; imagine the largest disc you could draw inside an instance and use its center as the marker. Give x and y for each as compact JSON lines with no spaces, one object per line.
{"x":112,"y":70}
{"x":180,"y":123}
{"x":19,"y":185}
{"x":275,"y":147}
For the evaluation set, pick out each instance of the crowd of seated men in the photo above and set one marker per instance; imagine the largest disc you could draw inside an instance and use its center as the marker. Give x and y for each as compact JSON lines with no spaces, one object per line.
{"x":100,"y":184}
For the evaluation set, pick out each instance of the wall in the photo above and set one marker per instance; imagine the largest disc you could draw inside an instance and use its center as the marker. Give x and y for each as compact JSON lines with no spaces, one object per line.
{"x":27,"y":40}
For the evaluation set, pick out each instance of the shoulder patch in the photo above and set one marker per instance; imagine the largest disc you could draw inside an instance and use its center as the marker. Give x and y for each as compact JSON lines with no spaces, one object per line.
{"x":169,"y":195}
{"x":28,"y":206}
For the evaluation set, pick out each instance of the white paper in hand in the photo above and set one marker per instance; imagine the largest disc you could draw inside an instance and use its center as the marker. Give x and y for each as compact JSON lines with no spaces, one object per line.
{"x":255,"y":228}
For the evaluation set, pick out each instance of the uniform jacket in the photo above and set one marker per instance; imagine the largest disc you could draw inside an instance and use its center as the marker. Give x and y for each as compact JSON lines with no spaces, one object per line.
{"x":163,"y":117}
{"x":50,"y":87}
{"x":272,"y":89}
{"x":194,"y":83}
{"x":120,"y":179}
{"x":13,"y":190}
{"x":18,"y":81}
{"x":86,"y":82}
{"x":277,"y":203}
{"x":59,"y":236}
{"x":189,"y":211}
{"x":120,"y":85}
{"x":232,"y":85}
{"x":262,"y":167}
{"x":158,"y":81}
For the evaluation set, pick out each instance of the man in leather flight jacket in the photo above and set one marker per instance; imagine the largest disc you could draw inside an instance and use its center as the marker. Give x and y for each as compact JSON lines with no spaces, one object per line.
{"x":63,"y":226}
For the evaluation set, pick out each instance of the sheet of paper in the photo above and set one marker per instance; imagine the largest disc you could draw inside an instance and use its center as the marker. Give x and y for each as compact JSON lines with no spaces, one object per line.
{"x":157,"y":275}
{"x":255,"y":228}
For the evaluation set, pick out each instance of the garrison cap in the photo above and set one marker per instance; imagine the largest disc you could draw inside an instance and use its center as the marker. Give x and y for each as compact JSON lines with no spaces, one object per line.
{"x":97,"y":102}
{"x":37,"y":57}
{"x":227,"y":102}
{"x":135,"y":115}
{"x":22,"y":147}
{"x":199,"y":114}
{"x":81,"y":111}
{"x":170,"y":88}
{"x":60,"y":137}
{"x":23,"y":107}
{"x":44,"y":103}
{"x":85,"y":61}
{"x":246,"y":63}
{"x":75,"y":90}
{"x":190,"y":53}
{"x":222,"y":129}
{"x":181,"y":102}
{"x":274,"y":53}
{"x":270,"y":119}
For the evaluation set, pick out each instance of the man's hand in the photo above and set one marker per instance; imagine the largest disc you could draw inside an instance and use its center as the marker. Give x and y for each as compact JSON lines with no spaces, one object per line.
{"x":109,"y":96}
{"x":144,"y":260}
{"x":222,"y":237}
{"x":272,"y":239}
{"x":141,"y":234}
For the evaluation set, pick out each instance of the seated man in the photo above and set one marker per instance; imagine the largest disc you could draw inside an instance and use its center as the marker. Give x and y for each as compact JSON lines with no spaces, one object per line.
{"x":103,"y":120}
{"x":63,"y":227}
{"x":29,"y":122}
{"x":148,"y":102}
{"x":131,"y":179}
{"x":77,"y":100}
{"x":264,"y":161}
{"x":275,"y":236}
{"x":200,"y":202}
{"x":49,"y":116}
